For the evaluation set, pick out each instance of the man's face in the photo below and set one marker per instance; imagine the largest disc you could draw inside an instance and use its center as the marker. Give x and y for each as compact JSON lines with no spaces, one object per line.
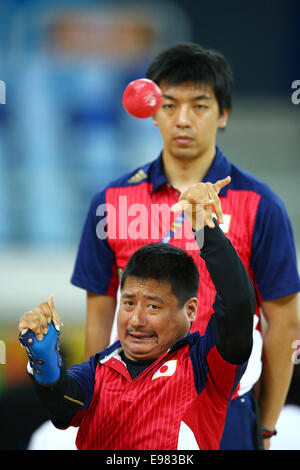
{"x":188,"y":119}
{"x":149,"y":318}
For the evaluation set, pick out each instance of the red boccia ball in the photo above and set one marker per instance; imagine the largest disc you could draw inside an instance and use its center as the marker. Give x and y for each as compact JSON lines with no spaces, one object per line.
{"x":142,"y":98}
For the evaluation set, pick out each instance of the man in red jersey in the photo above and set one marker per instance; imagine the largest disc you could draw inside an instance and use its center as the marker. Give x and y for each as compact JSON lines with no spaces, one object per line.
{"x":158,"y":387}
{"x":197,"y":88}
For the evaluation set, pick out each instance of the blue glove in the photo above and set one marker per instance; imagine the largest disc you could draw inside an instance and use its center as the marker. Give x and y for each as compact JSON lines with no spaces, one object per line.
{"x":44,"y":357}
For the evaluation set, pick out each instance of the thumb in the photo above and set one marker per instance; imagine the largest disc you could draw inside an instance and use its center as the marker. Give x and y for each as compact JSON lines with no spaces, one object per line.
{"x":55,"y":316}
{"x":179,"y":206}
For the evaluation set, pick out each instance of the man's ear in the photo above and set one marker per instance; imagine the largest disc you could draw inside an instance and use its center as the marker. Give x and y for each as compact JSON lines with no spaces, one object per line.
{"x":223,"y":119}
{"x":191,"y":306}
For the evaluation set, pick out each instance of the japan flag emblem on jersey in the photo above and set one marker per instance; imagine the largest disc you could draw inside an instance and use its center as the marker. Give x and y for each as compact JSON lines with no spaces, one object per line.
{"x":166,"y":370}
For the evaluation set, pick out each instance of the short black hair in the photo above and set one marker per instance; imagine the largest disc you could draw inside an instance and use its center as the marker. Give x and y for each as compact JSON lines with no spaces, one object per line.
{"x":165,"y":263}
{"x":190,"y":62}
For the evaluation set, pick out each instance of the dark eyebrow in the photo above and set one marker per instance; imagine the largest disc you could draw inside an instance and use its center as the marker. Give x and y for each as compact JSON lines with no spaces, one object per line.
{"x":169,"y":97}
{"x":126,"y":295}
{"x":204,"y":96}
{"x":155,"y":298}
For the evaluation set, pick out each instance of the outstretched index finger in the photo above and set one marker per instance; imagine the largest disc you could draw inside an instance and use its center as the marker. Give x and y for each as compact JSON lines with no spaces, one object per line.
{"x":221,"y":183}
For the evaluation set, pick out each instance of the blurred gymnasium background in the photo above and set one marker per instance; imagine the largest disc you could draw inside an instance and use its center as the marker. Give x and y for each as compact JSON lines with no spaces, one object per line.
{"x":64,"y":134}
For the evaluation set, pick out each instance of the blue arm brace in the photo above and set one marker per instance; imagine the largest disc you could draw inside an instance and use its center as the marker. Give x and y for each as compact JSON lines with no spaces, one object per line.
{"x":44,"y":357}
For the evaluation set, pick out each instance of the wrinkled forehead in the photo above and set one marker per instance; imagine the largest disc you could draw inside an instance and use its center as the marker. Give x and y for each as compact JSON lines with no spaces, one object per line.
{"x":146,"y":287}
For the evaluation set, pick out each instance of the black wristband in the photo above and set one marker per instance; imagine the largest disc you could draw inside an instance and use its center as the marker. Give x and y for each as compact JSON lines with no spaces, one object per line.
{"x":267,"y":433}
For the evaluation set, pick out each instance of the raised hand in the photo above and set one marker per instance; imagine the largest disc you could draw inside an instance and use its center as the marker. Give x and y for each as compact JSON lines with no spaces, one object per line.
{"x":38,"y":318}
{"x":197,"y":203}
